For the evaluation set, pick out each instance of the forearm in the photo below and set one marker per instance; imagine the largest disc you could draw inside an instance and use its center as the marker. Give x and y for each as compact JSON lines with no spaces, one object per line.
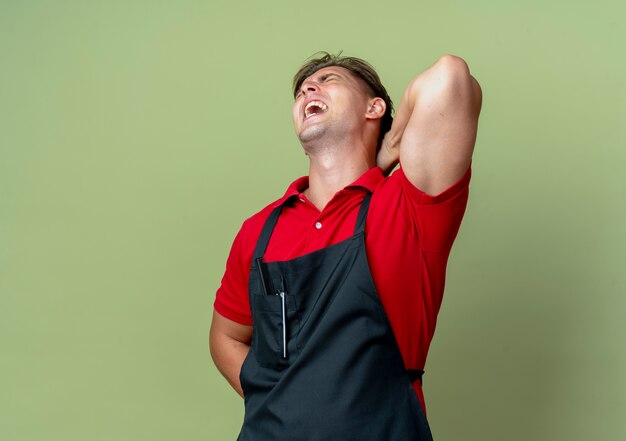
{"x":389,"y":154}
{"x":434,"y":129}
{"x":434,"y":78}
{"x":228,"y":357}
{"x":228,"y":350}
{"x":403,"y":114}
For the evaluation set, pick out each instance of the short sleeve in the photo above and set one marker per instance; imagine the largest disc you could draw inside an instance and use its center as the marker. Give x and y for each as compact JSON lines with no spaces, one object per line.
{"x":231,"y":298}
{"x":438,"y":216}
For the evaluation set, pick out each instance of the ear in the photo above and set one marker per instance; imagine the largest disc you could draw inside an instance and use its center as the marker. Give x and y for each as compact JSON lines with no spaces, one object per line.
{"x":376,"y":108}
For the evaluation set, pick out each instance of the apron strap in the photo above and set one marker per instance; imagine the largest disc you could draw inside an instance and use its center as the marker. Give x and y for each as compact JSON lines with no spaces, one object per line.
{"x":360,"y":220}
{"x":261,"y":246}
{"x":266,"y":232}
{"x":415,"y":374}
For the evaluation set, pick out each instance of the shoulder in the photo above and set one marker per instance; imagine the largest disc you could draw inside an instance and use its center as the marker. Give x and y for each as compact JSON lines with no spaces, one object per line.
{"x":397,"y":185}
{"x":242,"y":248}
{"x":252,"y":226}
{"x":399,"y":208}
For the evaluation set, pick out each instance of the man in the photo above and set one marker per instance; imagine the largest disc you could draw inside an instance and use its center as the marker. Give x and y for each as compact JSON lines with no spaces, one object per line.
{"x":331,"y":293}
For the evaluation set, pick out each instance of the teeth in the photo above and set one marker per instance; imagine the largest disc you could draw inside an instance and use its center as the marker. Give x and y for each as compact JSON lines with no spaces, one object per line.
{"x":319,"y":104}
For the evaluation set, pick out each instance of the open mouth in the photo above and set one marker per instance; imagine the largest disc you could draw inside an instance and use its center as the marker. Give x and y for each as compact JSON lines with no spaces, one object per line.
{"x":314,"y":108}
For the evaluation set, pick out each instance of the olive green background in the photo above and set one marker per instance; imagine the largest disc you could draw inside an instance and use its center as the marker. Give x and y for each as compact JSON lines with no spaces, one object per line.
{"x":136,"y":136}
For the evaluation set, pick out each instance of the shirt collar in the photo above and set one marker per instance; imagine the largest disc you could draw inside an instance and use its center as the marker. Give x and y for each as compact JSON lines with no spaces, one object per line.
{"x":368,"y":180}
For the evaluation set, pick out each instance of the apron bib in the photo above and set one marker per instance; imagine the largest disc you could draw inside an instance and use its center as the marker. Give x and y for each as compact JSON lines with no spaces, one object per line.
{"x":324,"y":364}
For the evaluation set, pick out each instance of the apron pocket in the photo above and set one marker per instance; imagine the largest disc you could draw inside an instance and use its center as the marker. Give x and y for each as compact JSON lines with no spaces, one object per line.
{"x":268,"y":336}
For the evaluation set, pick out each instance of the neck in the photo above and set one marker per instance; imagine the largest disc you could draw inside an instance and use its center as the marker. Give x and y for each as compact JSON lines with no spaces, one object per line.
{"x":330,"y":171}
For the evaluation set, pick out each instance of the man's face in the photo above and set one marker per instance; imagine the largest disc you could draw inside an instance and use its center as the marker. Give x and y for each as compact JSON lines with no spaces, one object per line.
{"x":329,"y":102}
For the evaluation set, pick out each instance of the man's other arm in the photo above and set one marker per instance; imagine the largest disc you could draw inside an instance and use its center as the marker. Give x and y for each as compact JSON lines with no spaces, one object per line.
{"x":434,"y":129}
{"x":229,"y":343}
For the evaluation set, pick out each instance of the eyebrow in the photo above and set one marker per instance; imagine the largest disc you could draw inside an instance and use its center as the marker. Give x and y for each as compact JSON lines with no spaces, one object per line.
{"x":321,"y":78}
{"x":326,"y":75}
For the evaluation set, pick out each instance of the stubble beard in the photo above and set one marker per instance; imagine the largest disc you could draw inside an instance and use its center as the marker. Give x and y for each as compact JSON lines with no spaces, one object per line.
{"x":312,"y":133}
{"x":317,"y":138}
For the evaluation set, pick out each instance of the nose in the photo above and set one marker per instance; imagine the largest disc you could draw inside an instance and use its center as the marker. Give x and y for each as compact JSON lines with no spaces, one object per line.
{"x":308,"y":86}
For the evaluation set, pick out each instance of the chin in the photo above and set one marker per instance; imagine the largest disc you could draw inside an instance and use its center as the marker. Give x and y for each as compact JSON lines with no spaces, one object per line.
{"x":312,"y":133}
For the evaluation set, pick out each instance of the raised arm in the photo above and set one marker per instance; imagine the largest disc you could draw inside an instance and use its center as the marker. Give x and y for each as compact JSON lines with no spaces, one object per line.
{"x":434,"y":129}
{"x":229,"y":343}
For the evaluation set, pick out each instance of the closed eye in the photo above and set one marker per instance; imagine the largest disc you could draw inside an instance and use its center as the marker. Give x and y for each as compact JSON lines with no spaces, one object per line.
{"x":326,"y":77}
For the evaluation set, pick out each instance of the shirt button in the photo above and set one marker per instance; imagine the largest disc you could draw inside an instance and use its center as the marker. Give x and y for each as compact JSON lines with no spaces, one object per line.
{"x":318,"y":225}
